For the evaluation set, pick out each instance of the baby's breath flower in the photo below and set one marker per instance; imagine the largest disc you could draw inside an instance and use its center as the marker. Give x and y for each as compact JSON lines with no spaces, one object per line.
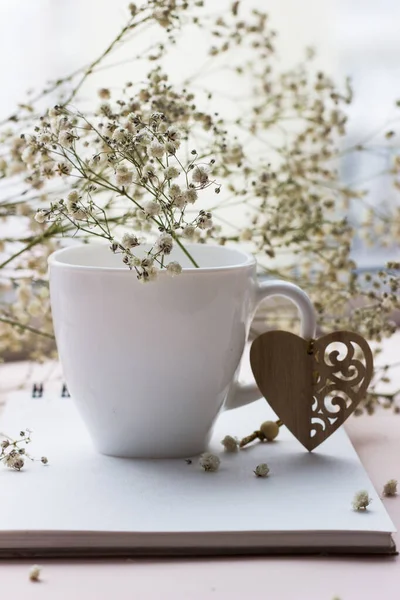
{"x":361,"y":500}
{"x":209,"y":461}
{"x":151,"y":208}
{"x":200,"y":175}
{"x":129,"y":240}
{"x":156,"y":149}
{"x":204,"y":222}
{"x":149,"y":171}
{"x":175,"y":191}
{"x":104,"y":93}
{"x":230,"y":443}
{"x":41,"y":215}
{"x":44,"y":460}
{"x":73,"y":197}
{"x":63,"y":169}
{"x":34,"y":573}
{"x":123,"y":175}
{"x":165,"y":243}
{"x":66,"y":138}
{"x":173,"y":136}
{"x":189,"y":231}
{"x":143,"y":139}
{"x":390,"y":488}
{"x":261,"y":470}
{"x":171,"y":172}
{"x":29,"y":155}
{"x":190,"y":195}
{"x":174,"y":268}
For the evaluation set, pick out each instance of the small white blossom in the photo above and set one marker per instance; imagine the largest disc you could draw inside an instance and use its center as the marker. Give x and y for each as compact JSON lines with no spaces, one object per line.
{"x":173,"y":135}
{"x":73,"y":197}
{"x":41,"y":216}
{"x":129,"y":240}
{"x":149,"y":171}
{"x":119,"y":134}
{"x":190,"y":195}
{"x":189,"y":231}
{"x":143,"y":139}
{"x":64,"y":168}
{"x":361,"y":500}
{"x":165,"y":243}
{"x":34,"y":573}
{"x":151,"y":208}
{"x":171,"y":172}
{"x":174,"y":268}
{"x":123,"y":175}
{"x":230,"y":443}
{"x":209,"y":462}
{"x":390,"y":488}
{"x":66,"y":138}
{"x":261,"y":470}
{"x":200,"y":175}
{"x":104,"y":94}
{"x":205,"y":222}
{"x":29,"y":155}
{"x":175,"y":191}
{"x":156,"y":149}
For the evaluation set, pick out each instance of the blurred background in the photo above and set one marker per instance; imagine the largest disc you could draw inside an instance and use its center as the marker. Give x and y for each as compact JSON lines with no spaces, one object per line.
{"x":42,"y":40}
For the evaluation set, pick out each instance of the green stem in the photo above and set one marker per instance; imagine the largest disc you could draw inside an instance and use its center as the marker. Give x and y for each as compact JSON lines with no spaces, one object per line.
{"x":190,"y":257}
{"x":26,"y":328}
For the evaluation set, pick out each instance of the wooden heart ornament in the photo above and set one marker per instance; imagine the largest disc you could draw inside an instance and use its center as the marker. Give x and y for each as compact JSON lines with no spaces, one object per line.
{"x":313,"y":386}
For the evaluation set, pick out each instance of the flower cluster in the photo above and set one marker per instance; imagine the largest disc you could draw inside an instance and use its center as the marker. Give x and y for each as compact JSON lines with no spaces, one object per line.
{"x":13,"y":452}
{"x":138,"y":167}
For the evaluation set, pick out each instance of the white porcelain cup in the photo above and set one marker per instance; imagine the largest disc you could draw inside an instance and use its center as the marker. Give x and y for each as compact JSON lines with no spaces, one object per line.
{"x":150,"y":366}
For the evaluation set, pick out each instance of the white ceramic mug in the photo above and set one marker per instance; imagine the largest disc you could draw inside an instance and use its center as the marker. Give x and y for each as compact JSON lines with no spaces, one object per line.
{"x":151,"y":365}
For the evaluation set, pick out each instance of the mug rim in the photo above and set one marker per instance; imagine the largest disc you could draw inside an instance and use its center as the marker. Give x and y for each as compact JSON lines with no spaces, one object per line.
{"x":248,"y":261}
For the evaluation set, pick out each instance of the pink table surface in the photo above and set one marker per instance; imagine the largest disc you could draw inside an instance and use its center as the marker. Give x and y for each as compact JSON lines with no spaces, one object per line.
{"x":377,"y":440}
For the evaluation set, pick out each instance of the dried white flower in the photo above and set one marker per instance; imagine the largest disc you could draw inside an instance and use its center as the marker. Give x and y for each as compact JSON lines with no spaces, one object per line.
{"x":104,"y":94}
{"x":151,"y":208}
{"x":165,"y":243}
{"x":190,"y":195}
{"x":41,"y":215}
{"x":129,"y":240}
{"x":200,"y":175}
{"x":156,"y":149}
{"x":143,"y":139}
{"x":66,"y":138}
{"x":173,"y":136}
{"x":34,"y":573}
{"x":73,"y":197}
{"x":230,"y":443}
{"x":209,"y":461}
{"x":189,"y":231}
{"x":205,"y":222}
{"x":175,"y":191}
{"x":44,"y":460}
{"x":29,"y":155}
{"x":123,"y":175}
{"x":390,"y":488}
{"x":361,"y":500}
{"x":174,"y":268}
{"x":171,"y":172}
{"x":261,"y":470}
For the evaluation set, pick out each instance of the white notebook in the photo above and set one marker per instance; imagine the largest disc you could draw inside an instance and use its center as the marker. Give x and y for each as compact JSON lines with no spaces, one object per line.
{"x":86,"y":504}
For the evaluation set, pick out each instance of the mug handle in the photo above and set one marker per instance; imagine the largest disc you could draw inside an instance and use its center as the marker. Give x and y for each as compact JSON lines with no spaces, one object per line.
{"x":243,"y":394}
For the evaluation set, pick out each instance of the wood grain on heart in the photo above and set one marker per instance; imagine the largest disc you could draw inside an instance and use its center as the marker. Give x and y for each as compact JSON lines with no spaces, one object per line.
{"x":311,"y":387}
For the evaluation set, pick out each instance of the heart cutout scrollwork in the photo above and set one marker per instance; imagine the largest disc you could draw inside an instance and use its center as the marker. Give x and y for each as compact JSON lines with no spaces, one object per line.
{"x":314,"y":386}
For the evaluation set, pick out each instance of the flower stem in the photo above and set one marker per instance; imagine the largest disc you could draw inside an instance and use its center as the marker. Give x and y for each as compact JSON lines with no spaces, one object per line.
{"x":26,"y":328}
{"x":190,"y":257}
